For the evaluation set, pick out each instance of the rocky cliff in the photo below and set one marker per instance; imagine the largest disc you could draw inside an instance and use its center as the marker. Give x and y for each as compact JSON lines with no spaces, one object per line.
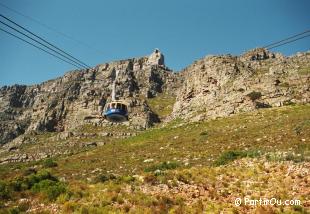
{"x":211,"y":87}
{"x":218,"y":86}
{"x":78,"y":98}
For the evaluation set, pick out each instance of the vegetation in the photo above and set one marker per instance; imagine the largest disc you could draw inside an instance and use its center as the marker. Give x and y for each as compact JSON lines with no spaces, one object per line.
{"x":284,"y":84}
{"x":162,"y":166}
{"x":304,"y":70}
{"x":42,"y":182}
{"x":49,"y":163}
{"x":104,"y":177}
{"x":288,"y":103}
{"x":4,"y":190}
{"x":162,"y":104}
{"x":179,"y":168}
{"x":229,"y":156}
{"x":254,"y":95}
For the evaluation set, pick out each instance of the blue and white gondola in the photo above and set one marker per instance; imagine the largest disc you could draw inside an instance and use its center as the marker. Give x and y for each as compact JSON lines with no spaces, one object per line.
{"x":116,"y":111}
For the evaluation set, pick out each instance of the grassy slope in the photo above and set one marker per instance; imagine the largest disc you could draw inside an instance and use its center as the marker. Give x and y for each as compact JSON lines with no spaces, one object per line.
{"x":162,"y":105}
{"x":269,"y":130}
{"x":277,"y":134}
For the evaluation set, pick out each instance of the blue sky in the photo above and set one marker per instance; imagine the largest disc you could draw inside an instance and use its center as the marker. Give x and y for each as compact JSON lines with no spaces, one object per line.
{"x":183,"y":30}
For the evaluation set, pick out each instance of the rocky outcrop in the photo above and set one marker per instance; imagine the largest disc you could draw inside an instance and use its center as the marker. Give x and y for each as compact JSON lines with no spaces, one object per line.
{"x":214,"y":86}
{"x":79,"y":97}
{"x":156,"y":58}
{"x":218,"y":86}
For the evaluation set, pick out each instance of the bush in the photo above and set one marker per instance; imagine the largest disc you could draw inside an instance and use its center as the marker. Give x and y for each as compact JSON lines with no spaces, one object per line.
{"x":127,"y":179}
{"x":204,"y":133}
{"x":254,"y":95}
{"x":103,"y":178}
{"x":252,"y":153}
{"x":40,"y":176}
{"x":296,"y":158}
{"x":49,"y":163}
{"x":51,"y":189}
{"x":298,"y":208}
{"x":29,"y":171}
{"x":14,"y":210}
{"x":17,"y":185}
{"x":229,"y":156}
{"x":41,"y":182}
{"x":4,"y":190}
{"x":162,"y":166}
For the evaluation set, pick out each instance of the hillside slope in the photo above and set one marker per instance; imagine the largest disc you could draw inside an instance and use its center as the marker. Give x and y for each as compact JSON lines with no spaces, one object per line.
{"x":180,"y":168}
{"x":214,"y":86}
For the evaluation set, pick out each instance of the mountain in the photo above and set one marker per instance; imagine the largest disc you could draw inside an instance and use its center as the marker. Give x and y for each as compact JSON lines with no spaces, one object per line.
{"x":217,"y":86}
{"x":224,"y":128}
{"x":214,"y":86}
{"x":78,"y":97}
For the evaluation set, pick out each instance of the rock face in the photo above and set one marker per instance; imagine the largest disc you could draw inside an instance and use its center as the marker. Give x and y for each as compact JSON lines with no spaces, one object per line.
{"x":78,"y":97}
{"x":156,"y":58}
{"x":218,"y":86}
{"x":211,"y":87}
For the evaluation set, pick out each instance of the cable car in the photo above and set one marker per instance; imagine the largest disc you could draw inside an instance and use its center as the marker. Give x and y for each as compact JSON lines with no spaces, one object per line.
{"x":116,"y":111}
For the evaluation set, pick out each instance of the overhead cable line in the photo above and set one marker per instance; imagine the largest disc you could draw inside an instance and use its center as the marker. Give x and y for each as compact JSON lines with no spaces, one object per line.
{"x":52,"y":29}
{"x":38,"y":47}
{"x":287,"y":40}
{"x":42,"y":39}
{"x":57,"y":52}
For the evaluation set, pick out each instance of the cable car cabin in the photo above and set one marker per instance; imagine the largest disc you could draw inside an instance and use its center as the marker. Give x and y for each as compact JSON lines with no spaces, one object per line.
{"x":116,"y":112}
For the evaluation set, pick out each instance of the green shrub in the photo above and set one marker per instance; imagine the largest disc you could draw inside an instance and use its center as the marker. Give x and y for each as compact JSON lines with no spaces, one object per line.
{"x":254,"y":95}
{"x":51,"y":189}
{"x":127,"y":179}
{"x":103,"y":178}
{"x":252,"y":153}
{"x":298,"y":208}
{"x":295,"y":158}
{"x":230,"y":156}
{"x":29,"y":171}
{"x":204,"y":133}
{"x":14,"y":210}
{"x":162,"y":166}
{"x":41,"y":182}
{"x":49,"y":163}
{"x":4,"y":190}
{"x":40,"y":176}
{"x":17,"y":185}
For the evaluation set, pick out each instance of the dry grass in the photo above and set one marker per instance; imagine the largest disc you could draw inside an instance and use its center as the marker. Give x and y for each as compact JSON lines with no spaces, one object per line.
{"x":279,"y":135}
